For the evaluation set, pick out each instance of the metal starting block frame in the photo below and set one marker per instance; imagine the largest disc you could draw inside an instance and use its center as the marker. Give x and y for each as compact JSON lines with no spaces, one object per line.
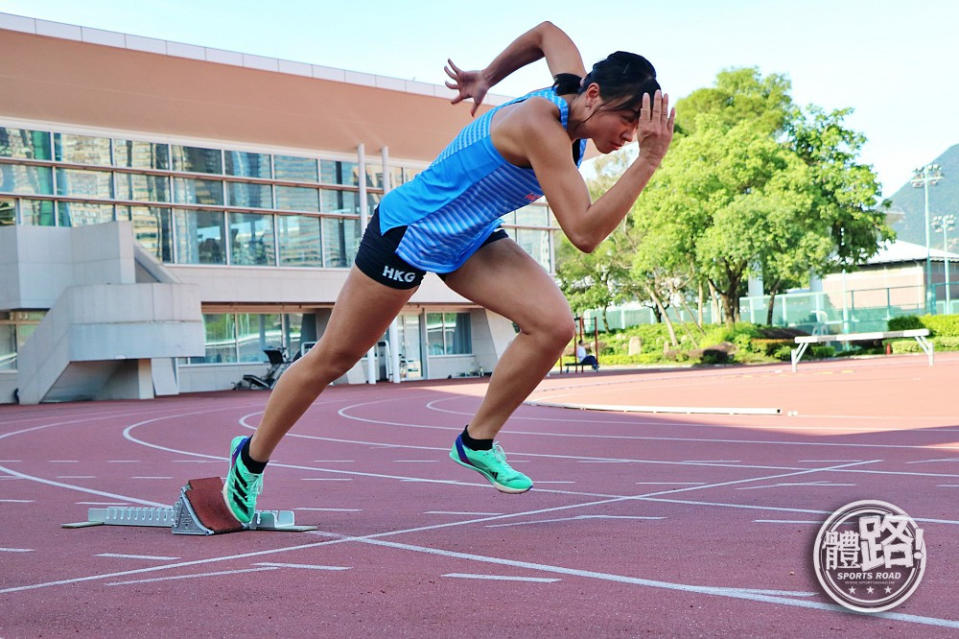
{"x":182,"y":519}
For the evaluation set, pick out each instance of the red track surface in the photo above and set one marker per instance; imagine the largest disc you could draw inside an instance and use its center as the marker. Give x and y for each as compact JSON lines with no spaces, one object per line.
{"x":639,"y":525}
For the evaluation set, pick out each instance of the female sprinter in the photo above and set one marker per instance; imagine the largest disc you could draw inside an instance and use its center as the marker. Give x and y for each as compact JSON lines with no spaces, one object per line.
{"x":446,"y":221}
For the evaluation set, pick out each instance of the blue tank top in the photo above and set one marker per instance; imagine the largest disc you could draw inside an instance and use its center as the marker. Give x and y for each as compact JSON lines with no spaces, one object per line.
{"x":450,"y":208}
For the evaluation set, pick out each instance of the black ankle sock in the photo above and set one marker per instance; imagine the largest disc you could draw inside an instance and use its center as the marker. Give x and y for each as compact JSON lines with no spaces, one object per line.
{"x":475,"y":444}
{"x":251,"y":464}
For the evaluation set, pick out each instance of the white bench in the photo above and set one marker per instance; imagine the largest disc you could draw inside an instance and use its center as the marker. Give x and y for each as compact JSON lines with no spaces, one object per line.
{"x":804,"y":341}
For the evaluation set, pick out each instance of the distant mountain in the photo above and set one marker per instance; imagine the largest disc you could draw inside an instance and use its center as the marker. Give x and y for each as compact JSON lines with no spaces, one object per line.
{"x":943,"y":199}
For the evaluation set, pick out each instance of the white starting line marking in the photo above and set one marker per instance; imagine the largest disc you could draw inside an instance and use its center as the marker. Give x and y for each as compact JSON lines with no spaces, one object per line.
{"x":64,"y":461}
{"x":537,"y":580}
{"x":76,"y":476}
{"x":16,"y":501}
{"x":331,"y":510}
{"x":149,"y":477}
{"x":16,"y":549}
{"x":577,"y":517}
{"x":712,"y":461}
{"x":123,"y":461}
{"x":102,"y":503}
{"x":932,"y":461}
{"x":457,"y":512}
{"x":115,"y":555}
{"x":787,"y":521}
{"x":670,"y":483}
{"x":789,"y":484}
{"x":947,"y":485}
{"x":828,"y":461}
{"x":307,"y":566}
{"x":202,"y":574}
{"x":10,"y":461}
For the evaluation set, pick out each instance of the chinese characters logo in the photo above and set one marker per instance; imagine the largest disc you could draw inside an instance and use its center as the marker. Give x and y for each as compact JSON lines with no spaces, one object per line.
{"x":869,"y":556}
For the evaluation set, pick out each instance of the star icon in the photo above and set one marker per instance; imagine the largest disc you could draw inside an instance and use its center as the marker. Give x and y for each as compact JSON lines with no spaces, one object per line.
{"x":852,"y":590}
{"x":888,"y":590}
{"x":869,"y":590}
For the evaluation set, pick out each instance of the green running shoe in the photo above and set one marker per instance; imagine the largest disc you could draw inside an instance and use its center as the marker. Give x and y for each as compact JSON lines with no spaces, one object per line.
{"x":492,"y":465}
{"x":241,"y":486}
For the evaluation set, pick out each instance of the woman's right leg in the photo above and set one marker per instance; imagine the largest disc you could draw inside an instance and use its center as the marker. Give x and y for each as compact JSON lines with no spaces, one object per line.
{"x":362,"y":313}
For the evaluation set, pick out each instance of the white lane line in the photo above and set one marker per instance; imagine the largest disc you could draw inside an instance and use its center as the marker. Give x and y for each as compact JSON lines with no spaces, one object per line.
{"x":9,"y":478}
{"x":123,"y":461}
{"x":457,"y":512}
{"x":576,"y":517}
{"x":331,"y":510}
{"x":324,"y":478}
{"x":64,"y":461}
{"x":307,"y":566}
{"x":102,"y":503}
{"x":947,"y":485}
{"x":594,"y":436}
{"x":76,"y":476}
{"x":669,"y":483}
{"x":751,"y":594}
{"x":16,"y":549}
{"x":17,"y":501}
{"x":792,"y":484}
{"x":334,"y":461}
{"x":115,"y":555}
{"x":787,"y":521}
{"x":150,"y":477}
{"x":827,"y":461}
{"x":202,"y":574}
{"x":934,"y":461}
{"x":603,"y":461}
{"x":537,"y":580}
{"x":713,"y":461}
{"x":10,"y":461}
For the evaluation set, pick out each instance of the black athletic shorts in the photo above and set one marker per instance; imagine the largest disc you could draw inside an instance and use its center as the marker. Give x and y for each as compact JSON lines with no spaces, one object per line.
{"x":378,"y":260}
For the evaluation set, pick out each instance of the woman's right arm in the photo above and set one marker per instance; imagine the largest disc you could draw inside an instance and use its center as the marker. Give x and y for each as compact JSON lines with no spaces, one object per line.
{"x":544,"y":40}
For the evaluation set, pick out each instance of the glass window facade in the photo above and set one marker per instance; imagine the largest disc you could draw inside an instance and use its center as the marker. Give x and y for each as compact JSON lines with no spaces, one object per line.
{"x":297,"y":198}
{"x":251,"y":239}
{"x":95,"y":179}
{"x":240,"y":163}
{"x":255,"y":333}
{"x":25,"y":144}
{"x":28,"y":180}
{"x":288,"y":167}
{"x":194,"y":159}
{"x":299,"y":240}
{"x":8,"y":211}
{"x":220,"y":339}
{"x":81,"y":149}
{"x":448,"y":334}
{"x":199,"y":237}
{"x":141,"y":155}
{"x":142,"y":188}
{"x":84,"y":213}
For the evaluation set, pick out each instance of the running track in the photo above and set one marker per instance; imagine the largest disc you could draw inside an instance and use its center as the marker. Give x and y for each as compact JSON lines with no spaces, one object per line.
{"x":640,"y":525}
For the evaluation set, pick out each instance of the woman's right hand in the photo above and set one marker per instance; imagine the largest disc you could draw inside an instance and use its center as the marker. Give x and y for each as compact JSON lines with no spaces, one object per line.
{"x":468,"y":84}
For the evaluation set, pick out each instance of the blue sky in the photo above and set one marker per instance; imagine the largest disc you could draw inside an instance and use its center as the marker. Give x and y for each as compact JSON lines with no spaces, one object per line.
{"x":894,"y":66}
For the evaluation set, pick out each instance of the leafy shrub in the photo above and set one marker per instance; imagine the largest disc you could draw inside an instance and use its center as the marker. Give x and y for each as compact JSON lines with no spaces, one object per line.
{"x":783,"y":353}
{"x":818,"y":351}
{"x":905,"y":323}
{"x":714,"y":356}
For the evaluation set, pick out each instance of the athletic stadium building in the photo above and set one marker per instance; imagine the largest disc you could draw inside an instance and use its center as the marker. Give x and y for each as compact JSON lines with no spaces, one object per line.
{"x":168,"y":212}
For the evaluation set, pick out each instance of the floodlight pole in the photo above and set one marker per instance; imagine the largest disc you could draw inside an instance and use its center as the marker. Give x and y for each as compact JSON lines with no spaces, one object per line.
{"x":924,"y":176}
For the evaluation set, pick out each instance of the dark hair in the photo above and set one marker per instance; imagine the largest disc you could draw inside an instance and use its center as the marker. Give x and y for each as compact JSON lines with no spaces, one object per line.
{"x":623,"y":78}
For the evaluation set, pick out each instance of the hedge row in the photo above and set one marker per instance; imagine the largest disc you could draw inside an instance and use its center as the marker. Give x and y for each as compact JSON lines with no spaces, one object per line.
{"x":938,"y":325}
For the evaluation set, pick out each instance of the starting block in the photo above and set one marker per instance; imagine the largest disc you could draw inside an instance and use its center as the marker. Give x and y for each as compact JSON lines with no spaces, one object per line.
{"x":200,"y":510}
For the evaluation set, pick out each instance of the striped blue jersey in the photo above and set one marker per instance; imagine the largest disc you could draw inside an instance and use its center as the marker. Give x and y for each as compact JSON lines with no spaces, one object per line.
{"x":451,"y":208}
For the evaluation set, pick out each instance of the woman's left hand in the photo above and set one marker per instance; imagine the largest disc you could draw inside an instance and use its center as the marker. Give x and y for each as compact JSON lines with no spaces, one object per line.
{"x":654,"y":129}
{"x":468,"y":84}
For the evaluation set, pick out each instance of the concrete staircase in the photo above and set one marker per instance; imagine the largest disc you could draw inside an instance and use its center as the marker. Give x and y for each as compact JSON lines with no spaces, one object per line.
{"x":116,"y":321}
